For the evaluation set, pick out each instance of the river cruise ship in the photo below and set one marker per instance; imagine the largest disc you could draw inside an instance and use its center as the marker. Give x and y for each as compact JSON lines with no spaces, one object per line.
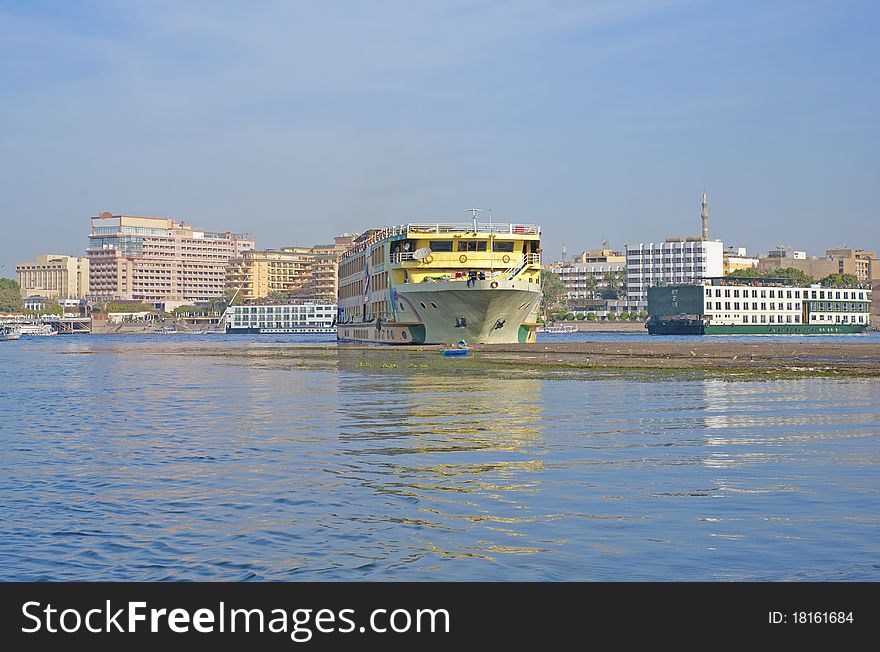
{"x":729,"y":306}
{"x":441,"y":283}
{"x":280,"y":319}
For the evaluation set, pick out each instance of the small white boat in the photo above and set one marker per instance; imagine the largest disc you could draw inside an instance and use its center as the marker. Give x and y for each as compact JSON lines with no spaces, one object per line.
{"x":9,"y":333}
{"x":37,"y":330}
{"x":558,"y":329}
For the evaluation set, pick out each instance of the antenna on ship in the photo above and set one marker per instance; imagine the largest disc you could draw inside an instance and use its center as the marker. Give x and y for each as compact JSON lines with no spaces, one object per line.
{"x":474,"y":212}
{"x":492,"y":247}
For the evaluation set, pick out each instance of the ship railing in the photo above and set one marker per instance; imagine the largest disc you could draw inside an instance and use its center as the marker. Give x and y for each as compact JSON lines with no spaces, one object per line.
{"x":401,"y":256}
{"x":468,"y":227}
{"x":442,"y":227}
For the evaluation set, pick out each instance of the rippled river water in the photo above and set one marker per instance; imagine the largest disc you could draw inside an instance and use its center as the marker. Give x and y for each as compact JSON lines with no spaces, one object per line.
{"x":151,"y":458}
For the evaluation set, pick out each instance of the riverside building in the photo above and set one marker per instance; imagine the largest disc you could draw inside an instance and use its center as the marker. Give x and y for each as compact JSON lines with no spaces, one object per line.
{"x":300,"y":273}
{"x":674,"y":261}
{"x":158,"y":260}
{"x":54,"y":276}
{"x":585,"y":276}
{"x":856,"y":262}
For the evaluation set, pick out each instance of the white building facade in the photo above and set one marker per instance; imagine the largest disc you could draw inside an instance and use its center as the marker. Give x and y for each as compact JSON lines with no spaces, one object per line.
{"x":582,"y":280}
{"x":677,"y":260}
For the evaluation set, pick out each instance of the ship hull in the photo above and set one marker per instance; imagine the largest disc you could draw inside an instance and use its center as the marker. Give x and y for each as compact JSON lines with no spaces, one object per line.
{"x":442,"y":313}
{"x":698,"y":327}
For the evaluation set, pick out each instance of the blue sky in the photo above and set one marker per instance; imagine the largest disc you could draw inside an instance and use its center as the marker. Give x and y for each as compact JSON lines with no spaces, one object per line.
{"x":297,"y":121}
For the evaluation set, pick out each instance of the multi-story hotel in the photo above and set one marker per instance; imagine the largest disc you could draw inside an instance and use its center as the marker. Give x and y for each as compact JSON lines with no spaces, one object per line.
{"x":300,"y":273}
{"x":159,"y":260}
{"x":54,"y":276}
{"x":676,"y":260}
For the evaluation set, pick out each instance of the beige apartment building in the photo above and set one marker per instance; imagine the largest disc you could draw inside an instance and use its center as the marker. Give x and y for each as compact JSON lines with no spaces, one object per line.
{"x":861,"y":264}
{"x":54,"y":276}
{"x":300,"y":273}
{"x":257,"y":274}
{"x":159,"y":260}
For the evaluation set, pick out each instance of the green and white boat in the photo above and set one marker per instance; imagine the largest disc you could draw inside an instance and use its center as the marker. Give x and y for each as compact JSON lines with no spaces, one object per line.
{"x":756,"y":307}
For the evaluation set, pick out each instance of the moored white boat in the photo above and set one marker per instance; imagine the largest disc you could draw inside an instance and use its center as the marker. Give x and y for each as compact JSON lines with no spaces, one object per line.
{"x":37,"y":330}
{"x":9,"y":333}
{"x":566,"y":328}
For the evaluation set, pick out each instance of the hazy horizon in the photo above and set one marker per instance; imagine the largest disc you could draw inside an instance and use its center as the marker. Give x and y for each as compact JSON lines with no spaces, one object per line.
{"x":297,"y":122}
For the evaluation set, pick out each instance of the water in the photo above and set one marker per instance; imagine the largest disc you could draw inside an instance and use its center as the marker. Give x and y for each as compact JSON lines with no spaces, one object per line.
{"x":209,"y":458}
{"x":872,"y":337}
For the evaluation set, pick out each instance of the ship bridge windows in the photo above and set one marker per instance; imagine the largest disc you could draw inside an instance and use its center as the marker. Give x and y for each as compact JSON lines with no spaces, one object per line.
{"x":472,"y":245}
{"x":503,"y":246}
{"x":440,"y":245}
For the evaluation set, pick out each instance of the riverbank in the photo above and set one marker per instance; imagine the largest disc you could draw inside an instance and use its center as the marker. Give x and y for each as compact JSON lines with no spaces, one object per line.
{"x":764,"y":359}
{"x":845,"y":358}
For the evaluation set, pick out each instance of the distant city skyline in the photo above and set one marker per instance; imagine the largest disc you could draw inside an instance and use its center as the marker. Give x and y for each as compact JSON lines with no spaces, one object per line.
{"x":296,"y":122}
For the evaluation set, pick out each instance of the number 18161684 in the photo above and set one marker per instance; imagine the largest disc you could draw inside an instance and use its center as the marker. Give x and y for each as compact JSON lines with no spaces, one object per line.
{"x":810,"y":617}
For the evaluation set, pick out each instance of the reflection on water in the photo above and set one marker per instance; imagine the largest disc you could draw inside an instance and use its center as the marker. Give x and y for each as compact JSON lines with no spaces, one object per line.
{"x":232,"y":460}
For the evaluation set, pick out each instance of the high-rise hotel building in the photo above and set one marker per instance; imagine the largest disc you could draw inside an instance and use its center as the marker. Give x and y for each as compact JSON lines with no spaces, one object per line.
{"x":159,"y":260}
{"x":676,"y":260}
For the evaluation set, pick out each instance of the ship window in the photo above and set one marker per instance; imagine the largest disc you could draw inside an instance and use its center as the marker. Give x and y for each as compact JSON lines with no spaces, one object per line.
{"x":440,"y":245}
{"x":472,"y":245}
{"x":433,"y":305}
{"x":402,"y":307}
{"x":502,"y":246}
{"x":423,"y":305}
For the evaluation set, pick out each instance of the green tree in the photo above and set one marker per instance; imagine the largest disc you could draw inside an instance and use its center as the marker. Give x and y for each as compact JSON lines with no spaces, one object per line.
{"x":553,"y":290}
{"x":568,"y":316}
{"x":581,"y":316}
{"x":795,"y":276}
{"x":624,"y":315}
{"x":10,"y":299}
{"x":9,"y":284}
{"x":591,"y":316}
{"x":643,"y":315}
{"x":839,"y":281}
{"x":611,"y":315}
{"x":127,"y":306}
{"x":277,"y":297}
{"x":590,"y":285}
{"x":228,"y":300}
